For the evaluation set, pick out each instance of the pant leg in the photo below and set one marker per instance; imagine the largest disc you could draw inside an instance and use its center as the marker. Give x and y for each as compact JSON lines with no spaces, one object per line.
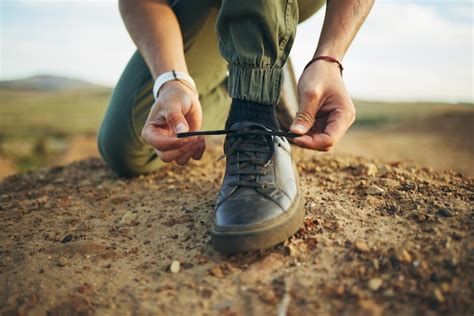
{"x":119,"y":140}
{"x":255,"y":37}
{"x":307,"y":8}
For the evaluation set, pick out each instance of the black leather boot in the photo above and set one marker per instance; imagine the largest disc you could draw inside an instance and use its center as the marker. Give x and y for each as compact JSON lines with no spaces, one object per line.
{"x":260,"y":204}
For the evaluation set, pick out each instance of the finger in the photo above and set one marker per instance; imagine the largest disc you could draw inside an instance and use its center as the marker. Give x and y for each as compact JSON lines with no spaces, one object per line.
{"x":177,"y":121}
{"x":302,"y":123}
{"x":174,"y":154}
{"x":200,"y":150}
{"x":337,"y":124}
{"x":320,"y":142}
{"x":194,"y":116}
{"x":163,"y":139}
{"x":185,"y":158}
{"x":304,"y":119}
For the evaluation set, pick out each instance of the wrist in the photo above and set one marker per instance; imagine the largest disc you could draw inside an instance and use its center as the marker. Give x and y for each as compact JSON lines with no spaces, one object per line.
{"x":327,"y":59}
{"x":329,"y":51}
{"x":173,"y":76}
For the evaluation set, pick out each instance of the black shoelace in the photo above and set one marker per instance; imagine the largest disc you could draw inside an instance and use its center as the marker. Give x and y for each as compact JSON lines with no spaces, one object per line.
{"x":251,"y":149}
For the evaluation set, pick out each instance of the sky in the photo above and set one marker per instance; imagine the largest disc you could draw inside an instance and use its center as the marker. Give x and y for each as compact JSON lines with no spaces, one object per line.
{"x":406,"y":50}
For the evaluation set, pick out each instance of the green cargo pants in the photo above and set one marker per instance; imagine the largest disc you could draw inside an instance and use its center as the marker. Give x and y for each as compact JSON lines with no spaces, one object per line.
{"x":244,"y":60}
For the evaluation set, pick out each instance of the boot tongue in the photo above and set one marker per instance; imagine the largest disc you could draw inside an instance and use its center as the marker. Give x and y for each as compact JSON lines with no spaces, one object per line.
{"x":247,"y":143}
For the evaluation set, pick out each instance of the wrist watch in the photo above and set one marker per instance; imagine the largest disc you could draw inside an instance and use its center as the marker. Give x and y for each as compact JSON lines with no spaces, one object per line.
{"x":170,"y":76}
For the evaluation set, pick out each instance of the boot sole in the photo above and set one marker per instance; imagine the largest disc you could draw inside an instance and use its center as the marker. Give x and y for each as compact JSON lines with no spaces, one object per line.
{"x":236,"y":239}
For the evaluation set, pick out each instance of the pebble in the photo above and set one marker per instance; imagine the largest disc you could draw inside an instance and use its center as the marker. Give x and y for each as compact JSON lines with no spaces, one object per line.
{"x":128,"y":218}
{"x":216,"y":271}
{"x":367,"y":169}
{"x":175,"y":266}
{"x":374,"y":284}
{"x":361,"y":246}
{"x":389,"y":293}
{"x":445,"y":287}
{"x":376,"y":264}
{"x":187,"y":265}
{"x":293,"y":250}
{"x":370,"y":169}
{"x":62,"y":261}
{"x":383,"y":170}
{"x":404,"y":256}
{"x":445,"y":212}
{"x":369,"y":307}
{"x":67,"y":238}
{"x":389,"y":183}
{"x":268,"y":296}
{"x":374,"y":190}
{"x":439,"y":295}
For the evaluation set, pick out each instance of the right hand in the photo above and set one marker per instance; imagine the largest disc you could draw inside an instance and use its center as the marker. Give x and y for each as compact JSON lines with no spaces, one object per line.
{"x":177,"y":110}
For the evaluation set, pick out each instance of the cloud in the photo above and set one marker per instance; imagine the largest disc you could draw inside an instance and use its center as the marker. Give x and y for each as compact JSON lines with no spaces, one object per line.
{"x":405,"y":51}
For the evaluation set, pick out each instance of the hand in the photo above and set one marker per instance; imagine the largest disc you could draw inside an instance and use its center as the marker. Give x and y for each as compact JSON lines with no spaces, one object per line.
{"x":177,"y":110}
{"x":326,"y":110}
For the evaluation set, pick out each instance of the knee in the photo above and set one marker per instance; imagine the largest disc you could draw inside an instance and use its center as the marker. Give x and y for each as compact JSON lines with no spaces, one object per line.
{"x":116,"y":154}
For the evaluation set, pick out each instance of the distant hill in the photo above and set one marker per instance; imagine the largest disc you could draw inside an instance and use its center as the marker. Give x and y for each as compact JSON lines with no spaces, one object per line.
{"x":48,"y":83}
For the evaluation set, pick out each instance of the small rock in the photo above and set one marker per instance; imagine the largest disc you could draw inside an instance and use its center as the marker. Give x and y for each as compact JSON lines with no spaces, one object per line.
{"x":268,"y":296}
{"x":187,"y":265}
{"x":340,"y":290}
{"x":445,"y":212}
{"x":128,"y":218}
{"x":62,"y":261}
{"x":439,"y":295}
{"x":175,"y":266}
{"x":374,"y":284}
{"x":293,"y":250}
{"x":370,"y":308}
{"x":374,"y":190}
{"x":376,"y":264}
{"x":370,"y":169}
{"x":367,"y":169}
{"x":384,"y":169}
{"x":206,"y":293}
{"x":216,"y":271}
{"x":67,"y":238}
{"x":445,"y":287}
{"x":404,"y":256}
{"x":389,"y":293}
{"x":361,"y":246}
{"x":85,"y":289}
{"x":389,"y":183}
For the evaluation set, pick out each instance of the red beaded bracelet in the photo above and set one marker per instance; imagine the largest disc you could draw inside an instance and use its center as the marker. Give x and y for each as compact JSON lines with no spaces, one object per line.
{"x":325,"y":58}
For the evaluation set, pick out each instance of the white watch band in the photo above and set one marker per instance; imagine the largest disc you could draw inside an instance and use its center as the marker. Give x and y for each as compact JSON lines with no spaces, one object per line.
{"x":170,"y":76}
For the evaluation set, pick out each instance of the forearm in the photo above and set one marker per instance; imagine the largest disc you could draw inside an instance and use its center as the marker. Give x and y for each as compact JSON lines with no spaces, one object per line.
{"x":342,"y":22}
{"x":155,"y":30}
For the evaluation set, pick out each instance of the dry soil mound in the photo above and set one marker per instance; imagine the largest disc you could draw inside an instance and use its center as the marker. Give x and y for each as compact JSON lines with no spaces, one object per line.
{"x":378,"y":239}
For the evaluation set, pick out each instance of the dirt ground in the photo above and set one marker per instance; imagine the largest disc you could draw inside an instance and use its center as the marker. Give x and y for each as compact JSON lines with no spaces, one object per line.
{"x":378,"y":239}
{"x":442,"y":141}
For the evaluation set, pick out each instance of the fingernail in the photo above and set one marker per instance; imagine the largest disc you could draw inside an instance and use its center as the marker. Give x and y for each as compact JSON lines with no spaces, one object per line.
{"x":180,"y":128}
{"x":299,"y":128}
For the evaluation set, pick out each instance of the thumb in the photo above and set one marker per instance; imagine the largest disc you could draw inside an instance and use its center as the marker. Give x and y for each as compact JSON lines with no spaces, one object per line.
{"x":303,"y":121}
{"x":177,"y":122}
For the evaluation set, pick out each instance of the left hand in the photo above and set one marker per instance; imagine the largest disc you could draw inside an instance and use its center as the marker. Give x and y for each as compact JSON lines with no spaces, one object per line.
{"x":326,"y":111}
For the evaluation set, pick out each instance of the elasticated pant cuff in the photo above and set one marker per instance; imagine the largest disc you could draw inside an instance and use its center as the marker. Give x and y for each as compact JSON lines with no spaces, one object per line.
{"x":261,"y":85}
